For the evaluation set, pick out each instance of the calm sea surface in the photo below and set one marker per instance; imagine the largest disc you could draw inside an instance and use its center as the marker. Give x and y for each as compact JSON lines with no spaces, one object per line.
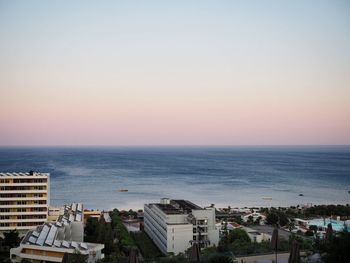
{"x":235,"y":176}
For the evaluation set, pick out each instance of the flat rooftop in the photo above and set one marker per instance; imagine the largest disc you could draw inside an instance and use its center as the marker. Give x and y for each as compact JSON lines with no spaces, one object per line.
{"x":185,"y":205}
{"x":178,"y":207}
{"x":169,"y":209}
{"x":22,"y":174}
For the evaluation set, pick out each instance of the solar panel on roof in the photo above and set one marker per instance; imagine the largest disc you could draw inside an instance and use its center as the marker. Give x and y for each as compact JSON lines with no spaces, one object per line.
{"x":57,"y":243}
{"x":74,"y":244}
{"x":80,"y":207}
{"x":83,"y":245}
{"x":65,"y":244}
{"x":32,"y":240}
{"x":44,"y":232}
{"x":78,"y":217}
{"x":51,"y":236}
{"x":71,"y":218}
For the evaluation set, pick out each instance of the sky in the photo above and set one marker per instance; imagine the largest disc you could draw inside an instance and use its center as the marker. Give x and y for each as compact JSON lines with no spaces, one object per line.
{"x":174,"y":72}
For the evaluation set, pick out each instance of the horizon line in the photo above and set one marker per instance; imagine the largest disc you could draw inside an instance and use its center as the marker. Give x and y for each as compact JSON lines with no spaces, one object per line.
{"x":173,"y":145}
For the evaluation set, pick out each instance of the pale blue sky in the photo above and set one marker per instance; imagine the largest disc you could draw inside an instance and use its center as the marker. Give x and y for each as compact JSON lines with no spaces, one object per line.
{"x":166,"y":71}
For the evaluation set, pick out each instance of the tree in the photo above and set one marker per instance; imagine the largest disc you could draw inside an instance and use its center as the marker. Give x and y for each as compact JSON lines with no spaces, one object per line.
{"x":277,"y":218}
{"x":250,"y":220}
{"x":101,"y":230}
{"x":282,"y":219}
{"x":220,"y":258}
{"x":313,"y":228}
{"x":272,"y":218}
{"x":91,"y":230}
{"x":108,"y":240}
{"x":174,"y":259}
{"x":258,"y":220}
{"x":309,"y":233}
{"x":338,"y":249}
{"x":291,"y":226}
{"x":11,"y":238}
{"x":238,"y":235}
{"x":76,"y":257}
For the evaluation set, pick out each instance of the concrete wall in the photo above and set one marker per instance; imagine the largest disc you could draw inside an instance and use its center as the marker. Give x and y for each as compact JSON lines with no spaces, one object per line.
{"x":179,"y":237}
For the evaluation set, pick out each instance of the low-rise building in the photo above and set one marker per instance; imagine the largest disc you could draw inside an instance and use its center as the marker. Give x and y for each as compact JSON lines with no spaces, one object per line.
{"x":174,"y":224}
{"x":92,"y":214}
{"x":53,"y":242}
{"x":257,"y":236}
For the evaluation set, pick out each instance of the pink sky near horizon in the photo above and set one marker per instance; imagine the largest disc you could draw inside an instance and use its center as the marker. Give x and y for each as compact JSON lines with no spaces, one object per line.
{"x":91,"y":82}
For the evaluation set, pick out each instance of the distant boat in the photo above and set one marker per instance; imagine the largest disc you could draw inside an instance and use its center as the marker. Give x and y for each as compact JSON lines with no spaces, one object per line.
{"x":123,"y":190}
{"x":301,"y":195}
{"x":267,"y":198}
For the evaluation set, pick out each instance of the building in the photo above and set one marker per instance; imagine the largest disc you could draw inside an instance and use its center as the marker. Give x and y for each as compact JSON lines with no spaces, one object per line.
{"x":54,"y":213}
{"x":24,"y":200}
{"x":257,"y":236}
{"x":254,"y":234}
{"x":57,"y":241}
{"x":92,"y":214}
{"x":174,"y":224}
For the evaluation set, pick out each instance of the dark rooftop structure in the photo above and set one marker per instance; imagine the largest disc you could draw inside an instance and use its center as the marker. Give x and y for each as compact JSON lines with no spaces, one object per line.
{"x":185,"y":205}
{"x":178,"y":207}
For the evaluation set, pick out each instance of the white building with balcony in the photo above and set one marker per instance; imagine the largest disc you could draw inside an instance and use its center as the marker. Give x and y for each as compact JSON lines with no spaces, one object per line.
{"x":24,"y":200}
{"x":174,"y":224}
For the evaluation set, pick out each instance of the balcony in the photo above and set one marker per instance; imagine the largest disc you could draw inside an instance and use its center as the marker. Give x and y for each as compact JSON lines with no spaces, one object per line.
{"x":22,"y":198}
{"x":24,"y":213}
{"x":31,"y":191}
{"x":23,"y":184}
{"x":5,"y":228}
{"x":41,"y":258}
{"x":23,"y":220}
{"x":24,"y":206}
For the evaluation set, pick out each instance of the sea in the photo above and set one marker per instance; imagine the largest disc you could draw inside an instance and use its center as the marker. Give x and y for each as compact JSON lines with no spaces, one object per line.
{"x":245,"y":176}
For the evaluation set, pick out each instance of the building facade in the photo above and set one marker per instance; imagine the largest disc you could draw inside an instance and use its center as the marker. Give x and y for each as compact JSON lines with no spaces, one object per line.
{"x":24,"y":200}
{"x":57,"y":241}
{"x":174,"y":224}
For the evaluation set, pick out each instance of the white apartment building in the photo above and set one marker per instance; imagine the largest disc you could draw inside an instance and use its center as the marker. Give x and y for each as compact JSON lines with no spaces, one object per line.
{"x":174,"y":224}
{"x":24,"y":200}
{"x":58,"y":241}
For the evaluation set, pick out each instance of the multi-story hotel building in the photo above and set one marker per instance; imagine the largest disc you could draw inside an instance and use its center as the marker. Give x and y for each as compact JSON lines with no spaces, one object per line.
{"x":174,"y":224}
{"x":58,"y":241}
{"x":24,"y":200}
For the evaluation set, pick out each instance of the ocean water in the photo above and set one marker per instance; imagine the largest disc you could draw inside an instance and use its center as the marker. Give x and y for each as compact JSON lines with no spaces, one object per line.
{"x":235,"y":176}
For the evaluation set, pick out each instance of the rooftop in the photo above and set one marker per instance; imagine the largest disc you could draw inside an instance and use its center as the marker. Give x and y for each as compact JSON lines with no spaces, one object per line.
{"x":169,"y":209}
{"x":73,"y":212}
{"x":185,"y":205}
{"x":48,"y":234}
{"x":21,"y":174}
{"x":177,"y":207}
